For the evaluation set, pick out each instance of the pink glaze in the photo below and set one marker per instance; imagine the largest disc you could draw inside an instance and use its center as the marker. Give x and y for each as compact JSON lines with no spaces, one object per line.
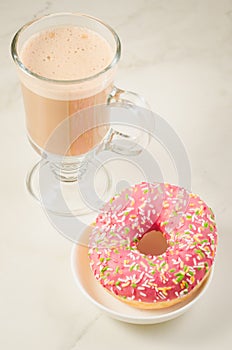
{"x":186,"y":222}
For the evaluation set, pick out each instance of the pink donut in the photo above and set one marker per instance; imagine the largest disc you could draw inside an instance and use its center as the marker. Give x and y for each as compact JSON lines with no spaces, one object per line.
{"x":146,"y":280}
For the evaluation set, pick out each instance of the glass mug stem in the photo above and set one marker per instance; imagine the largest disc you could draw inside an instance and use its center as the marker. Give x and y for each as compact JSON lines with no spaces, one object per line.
{"x":69,"y":172}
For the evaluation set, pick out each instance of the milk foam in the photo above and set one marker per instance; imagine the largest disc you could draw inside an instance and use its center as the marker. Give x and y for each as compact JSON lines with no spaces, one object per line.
{"x":67,"y":53}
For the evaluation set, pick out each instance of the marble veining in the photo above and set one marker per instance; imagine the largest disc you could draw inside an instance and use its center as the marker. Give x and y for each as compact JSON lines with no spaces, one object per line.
{"x":43,"y":10}
{"x":84,"y":332}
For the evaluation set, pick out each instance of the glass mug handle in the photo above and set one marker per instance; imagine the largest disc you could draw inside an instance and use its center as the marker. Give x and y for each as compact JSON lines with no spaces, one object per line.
{"x":123,"y":96}
{"x":122,"y":142}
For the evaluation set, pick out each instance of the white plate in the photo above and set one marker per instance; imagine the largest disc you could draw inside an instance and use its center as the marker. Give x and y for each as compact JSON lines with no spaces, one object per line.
{"x":111,"y":306}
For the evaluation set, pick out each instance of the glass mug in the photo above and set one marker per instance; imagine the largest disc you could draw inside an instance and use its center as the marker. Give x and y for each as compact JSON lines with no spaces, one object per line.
{"x":51,"y":102}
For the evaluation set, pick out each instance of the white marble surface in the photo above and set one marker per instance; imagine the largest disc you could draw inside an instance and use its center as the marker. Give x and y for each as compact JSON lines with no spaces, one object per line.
{"x":178,"y":54}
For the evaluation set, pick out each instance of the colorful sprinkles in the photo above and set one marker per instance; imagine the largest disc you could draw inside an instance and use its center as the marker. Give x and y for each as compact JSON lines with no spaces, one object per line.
{"x":188,"y":226}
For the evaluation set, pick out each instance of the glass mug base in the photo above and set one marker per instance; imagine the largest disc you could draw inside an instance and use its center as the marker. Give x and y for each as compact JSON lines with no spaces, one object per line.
{"x":66,"y":198}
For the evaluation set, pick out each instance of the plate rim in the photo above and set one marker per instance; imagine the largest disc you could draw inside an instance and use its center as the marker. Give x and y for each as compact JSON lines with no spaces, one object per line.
{"x":131,"y":318}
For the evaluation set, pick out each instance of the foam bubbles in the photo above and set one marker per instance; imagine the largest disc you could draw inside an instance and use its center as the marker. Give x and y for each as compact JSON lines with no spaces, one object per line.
{"x":66,"y":53}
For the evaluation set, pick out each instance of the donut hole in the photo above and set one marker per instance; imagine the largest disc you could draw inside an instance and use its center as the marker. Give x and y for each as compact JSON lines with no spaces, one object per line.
{"x":152,"y":243}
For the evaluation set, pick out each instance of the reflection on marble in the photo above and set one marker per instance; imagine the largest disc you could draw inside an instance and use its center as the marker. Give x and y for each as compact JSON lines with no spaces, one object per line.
{"x":178,"y":54}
